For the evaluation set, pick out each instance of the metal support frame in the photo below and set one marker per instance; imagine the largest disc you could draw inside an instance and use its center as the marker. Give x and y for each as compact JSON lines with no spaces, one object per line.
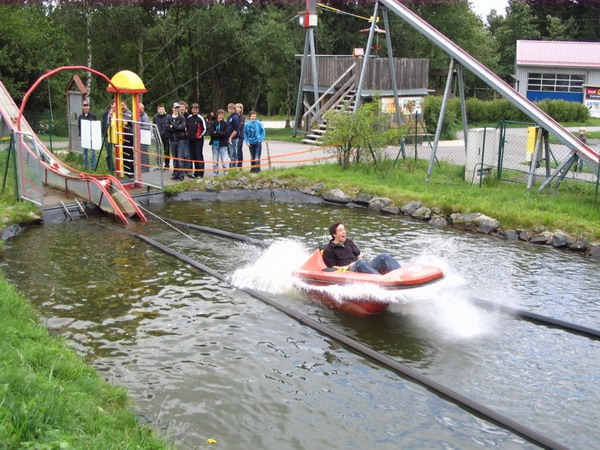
{"x":438,"y":129}
{"x":560,"y":173}
{"x":365,"y":66}
{"x":388,"y":40}
{"x":300,"y":87}
{"x":588,"y":154}
{"x":463,"y":103}
{"x":310,"y":33}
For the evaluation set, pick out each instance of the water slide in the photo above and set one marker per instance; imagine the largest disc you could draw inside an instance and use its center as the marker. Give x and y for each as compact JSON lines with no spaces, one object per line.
{"x":37,"y":166}
{"x":587,"y":154}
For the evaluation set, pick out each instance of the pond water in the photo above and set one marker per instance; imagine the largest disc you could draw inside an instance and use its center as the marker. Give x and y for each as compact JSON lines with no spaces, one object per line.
{"x":204,"y":360}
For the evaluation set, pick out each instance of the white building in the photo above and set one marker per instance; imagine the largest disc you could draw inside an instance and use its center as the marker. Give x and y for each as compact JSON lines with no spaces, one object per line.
{"x":563,"y":70}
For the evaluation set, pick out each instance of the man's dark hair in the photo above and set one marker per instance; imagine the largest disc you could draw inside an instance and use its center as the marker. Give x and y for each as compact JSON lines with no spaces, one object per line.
{"x":333,"y":227}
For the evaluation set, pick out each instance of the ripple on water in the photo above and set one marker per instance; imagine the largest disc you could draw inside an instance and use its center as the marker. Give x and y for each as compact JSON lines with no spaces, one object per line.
{"x":204,"y":360}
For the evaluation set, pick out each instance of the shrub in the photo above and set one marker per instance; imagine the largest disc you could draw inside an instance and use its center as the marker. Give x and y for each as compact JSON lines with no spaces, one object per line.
{"x":361,"y":136}
{"x":563,"y":111}
{"x":496,"y":110}
{"x":431,"y":112}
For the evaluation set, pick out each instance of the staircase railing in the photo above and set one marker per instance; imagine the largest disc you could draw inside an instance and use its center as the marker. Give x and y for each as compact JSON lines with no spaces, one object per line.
{"x":315,"y":112}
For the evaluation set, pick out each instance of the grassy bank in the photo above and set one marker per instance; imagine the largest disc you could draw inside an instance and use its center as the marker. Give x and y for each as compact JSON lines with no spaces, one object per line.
{"x":50,"y":398}
{"x":574,"y":210}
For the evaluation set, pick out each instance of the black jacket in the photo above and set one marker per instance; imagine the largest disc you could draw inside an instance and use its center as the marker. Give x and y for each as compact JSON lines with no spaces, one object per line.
{"x":161,"y":123}
{"x":176,"y":127}
{"x":196,"y":127}
{"x":340,"y":255}
{"x":220,"y":131}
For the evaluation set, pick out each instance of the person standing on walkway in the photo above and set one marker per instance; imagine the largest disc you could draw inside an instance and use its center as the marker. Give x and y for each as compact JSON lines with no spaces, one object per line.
{"x":86,"y":142}
{"x":220,"y":131}
{"x":239,"y":109}
{"x":160,"y":120}
{"x":185,"y":162}
{"x":108,"y":127}
{"x":144,"y":148}
{"x":234,"y":123}
{"x":196,"y":126}
{"x":177,"y":128}
{"x":254,"y":135}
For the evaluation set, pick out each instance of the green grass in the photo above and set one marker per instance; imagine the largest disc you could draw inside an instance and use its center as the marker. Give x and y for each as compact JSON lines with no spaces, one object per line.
{"x":573,"y":210}
{"x":50,"y":398}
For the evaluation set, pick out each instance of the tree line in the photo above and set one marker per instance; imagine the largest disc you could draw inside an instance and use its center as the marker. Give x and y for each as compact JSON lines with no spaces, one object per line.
{"x":216,"y":51}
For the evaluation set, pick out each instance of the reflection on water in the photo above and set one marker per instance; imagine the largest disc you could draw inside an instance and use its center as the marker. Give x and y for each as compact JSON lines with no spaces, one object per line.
{"x":204,"y":360}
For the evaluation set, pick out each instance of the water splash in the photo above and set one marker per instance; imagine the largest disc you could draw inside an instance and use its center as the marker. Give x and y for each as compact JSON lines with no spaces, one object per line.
{"x":272,"y":270}
{"x":443,"y":306}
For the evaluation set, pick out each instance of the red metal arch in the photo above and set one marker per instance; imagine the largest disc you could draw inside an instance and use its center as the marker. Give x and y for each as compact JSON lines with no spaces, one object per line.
{"x":52,"y":73}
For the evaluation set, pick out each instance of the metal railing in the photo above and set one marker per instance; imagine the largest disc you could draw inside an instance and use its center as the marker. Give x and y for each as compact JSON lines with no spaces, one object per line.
{"x":138,"y":152}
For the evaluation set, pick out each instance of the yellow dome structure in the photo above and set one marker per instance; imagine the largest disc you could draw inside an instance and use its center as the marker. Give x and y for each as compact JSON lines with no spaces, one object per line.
{"x":127,"y":82}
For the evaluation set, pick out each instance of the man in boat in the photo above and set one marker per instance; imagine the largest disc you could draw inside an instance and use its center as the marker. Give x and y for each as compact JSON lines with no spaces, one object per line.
{"x":343,"y":254}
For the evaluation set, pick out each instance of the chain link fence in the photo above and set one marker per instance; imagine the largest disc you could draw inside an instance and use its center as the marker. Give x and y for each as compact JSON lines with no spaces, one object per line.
{"x":29,"y":171}
{"x":512,"y":152}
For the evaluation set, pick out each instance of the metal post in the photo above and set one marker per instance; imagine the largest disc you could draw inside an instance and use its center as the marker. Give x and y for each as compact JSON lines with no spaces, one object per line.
{"x":388,"y":40}
{"x":416,"y":132}
{"x":313,"y":55}
{"x":546,"y":138}
{"x":463,"y":104}
{"x":534,"y":161}
{"x":301,"y":85}
{"x":365,"y":66}
{"x":482,"y":157}
{"x":502,"y":126}
{"x":11,"y":149}
{"x":438,"y":129}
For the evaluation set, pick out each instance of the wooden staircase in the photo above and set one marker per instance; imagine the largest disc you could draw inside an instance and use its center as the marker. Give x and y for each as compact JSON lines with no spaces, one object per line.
{"x":319,"y":129}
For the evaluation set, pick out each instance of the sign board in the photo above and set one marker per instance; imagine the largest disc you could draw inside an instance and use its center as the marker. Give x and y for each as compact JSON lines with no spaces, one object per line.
{"x":409,"y":106}
{"x":591,"y":100}
{"x":91,"y":134}
{"x":145,"y":137}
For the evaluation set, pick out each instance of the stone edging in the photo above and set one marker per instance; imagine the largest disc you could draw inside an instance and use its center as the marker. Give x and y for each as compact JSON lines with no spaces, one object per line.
{"x":474,"y":222}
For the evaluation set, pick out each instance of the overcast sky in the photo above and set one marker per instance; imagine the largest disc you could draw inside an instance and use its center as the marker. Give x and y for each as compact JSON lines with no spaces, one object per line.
{"x":483,"y":7}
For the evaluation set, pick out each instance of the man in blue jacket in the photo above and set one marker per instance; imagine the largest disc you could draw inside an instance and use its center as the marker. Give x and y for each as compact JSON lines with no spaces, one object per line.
{"x":234,"y":123}
{"x":254,"y":134}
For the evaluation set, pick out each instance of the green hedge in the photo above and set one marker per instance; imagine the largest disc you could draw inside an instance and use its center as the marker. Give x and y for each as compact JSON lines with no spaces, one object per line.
{"x":480,"y":111}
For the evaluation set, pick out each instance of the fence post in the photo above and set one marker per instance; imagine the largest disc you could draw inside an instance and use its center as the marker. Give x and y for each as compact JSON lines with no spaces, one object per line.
{"x":502,"y":126}
{"x":482,"y":157}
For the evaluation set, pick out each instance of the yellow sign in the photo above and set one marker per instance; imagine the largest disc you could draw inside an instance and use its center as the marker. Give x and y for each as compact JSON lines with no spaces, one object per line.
{"x":532,"y":135}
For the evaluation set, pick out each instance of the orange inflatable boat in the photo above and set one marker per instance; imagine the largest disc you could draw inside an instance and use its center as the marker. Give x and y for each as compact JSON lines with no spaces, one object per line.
{"x":406,"y":277}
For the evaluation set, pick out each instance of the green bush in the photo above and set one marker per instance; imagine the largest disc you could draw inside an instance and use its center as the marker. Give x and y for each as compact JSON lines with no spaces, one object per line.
{"x":431,"y":112}
{"x":563,"y":111}
{"x":492,"y":111}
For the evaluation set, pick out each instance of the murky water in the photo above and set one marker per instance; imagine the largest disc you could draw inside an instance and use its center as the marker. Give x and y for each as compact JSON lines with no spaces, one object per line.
{"x":205,"y":360}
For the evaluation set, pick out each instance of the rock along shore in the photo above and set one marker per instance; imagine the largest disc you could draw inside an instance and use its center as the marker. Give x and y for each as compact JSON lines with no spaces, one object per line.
{"x":473,"y":222}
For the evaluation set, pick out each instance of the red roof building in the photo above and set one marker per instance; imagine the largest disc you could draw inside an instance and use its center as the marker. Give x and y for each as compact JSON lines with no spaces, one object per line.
{"x":564,"y":70}
{"x":557,"y":69}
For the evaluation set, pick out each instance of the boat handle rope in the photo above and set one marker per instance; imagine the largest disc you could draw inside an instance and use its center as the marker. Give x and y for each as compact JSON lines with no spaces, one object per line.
{"x":449,"y":394}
